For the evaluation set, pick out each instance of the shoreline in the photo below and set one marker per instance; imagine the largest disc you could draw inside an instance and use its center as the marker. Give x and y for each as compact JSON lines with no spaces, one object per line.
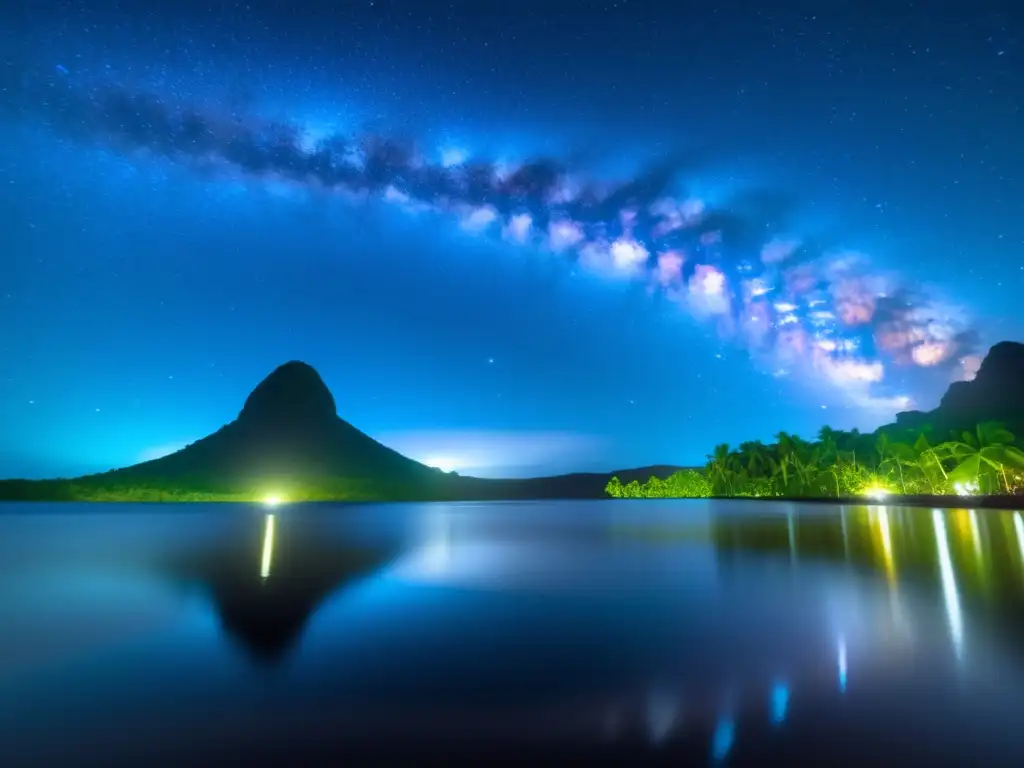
{"x":1006,"y":503}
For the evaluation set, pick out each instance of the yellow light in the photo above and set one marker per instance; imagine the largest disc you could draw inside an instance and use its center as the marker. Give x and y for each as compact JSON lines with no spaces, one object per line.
{"x":272,"y":501}
{"x":268,"y":548}
{"x":876,"y":492}
{"x":883,"y":527}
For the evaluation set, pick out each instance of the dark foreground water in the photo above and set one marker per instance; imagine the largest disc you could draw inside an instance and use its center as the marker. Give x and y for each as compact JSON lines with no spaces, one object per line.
{"x":718,"y":632}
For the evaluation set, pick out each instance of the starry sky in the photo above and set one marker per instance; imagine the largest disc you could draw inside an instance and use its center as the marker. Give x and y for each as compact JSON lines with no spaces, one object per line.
{"x":514,"y":240}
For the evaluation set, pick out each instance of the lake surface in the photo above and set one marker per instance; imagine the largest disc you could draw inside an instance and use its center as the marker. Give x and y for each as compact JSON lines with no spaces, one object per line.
{"x":724,"y":632}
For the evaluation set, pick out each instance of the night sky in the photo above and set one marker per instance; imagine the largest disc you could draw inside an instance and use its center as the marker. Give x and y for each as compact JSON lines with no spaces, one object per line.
{"x":513,"y":238}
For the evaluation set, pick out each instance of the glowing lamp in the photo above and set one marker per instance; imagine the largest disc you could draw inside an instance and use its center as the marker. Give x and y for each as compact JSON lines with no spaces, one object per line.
{"x":966,"y":489}
{"x":876,"y":492}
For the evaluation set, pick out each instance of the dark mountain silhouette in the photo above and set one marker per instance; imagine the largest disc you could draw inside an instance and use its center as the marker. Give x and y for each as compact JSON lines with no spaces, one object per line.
{"x":288,"y":437}
{"x":288,"y":432}
{"x":995,"y":394}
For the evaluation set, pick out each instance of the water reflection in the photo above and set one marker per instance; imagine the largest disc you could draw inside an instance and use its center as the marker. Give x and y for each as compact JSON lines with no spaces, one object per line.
{"x":268,"y":548}
{"x":949,"y":589}
{"x":264,"y":595}
{"x":959,"y":549}
{"x":714,"y":630}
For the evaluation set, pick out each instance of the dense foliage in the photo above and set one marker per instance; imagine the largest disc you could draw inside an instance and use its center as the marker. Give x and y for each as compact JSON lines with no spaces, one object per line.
{"x":849,"y":464}
{"x":684,"y":484}
{"x":114,"y":487}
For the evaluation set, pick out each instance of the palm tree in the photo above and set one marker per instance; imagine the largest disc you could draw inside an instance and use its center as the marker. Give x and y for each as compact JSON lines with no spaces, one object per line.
{"x":829,"y":439}
{"x":753,"y":455}
{"x":784,"y":449}
{"x":720,"y":466}
{"x":846,"y":442}
{"x":805,"y":462}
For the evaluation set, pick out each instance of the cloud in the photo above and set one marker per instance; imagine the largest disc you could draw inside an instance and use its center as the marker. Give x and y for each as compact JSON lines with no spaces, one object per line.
{"x":761,"y":287}
{"x":493,"y":453}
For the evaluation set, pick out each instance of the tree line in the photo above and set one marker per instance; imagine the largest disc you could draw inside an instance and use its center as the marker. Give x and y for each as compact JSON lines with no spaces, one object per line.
{"x":846,"y":464}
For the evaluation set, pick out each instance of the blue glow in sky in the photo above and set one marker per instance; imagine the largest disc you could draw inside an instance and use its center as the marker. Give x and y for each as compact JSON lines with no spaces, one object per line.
{"x":685,"y":226}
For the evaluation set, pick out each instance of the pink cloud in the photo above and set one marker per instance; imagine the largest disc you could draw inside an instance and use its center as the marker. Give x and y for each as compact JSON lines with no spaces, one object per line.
{"x":930,"y":353}
{"x":968,"y":368}
{"x":564,"y":233}
{"x":707,"y":291}
{"x":670,"y":268}
{"x":850,"y":370}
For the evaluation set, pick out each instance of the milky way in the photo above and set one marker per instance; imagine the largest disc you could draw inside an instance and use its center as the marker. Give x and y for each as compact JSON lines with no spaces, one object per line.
{"x":797,"y":308}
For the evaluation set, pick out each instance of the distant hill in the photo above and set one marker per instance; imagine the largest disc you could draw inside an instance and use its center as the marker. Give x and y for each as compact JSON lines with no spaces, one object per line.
{"x":289,"y":441}
{"x":995,"y":394}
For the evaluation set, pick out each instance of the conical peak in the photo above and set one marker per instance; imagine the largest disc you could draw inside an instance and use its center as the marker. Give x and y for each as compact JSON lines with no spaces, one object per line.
{"x":293,"y":392}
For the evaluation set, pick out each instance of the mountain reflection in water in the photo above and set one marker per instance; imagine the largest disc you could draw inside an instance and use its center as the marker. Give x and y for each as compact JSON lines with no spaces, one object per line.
{"x":269,"y":575}
{"x":726,"y":631}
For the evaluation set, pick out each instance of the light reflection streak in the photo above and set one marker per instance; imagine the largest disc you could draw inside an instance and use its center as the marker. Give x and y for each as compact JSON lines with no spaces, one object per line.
{"x":268,"y":548}
{"x":1018,"y":527}
{"x":975,"y":535}
{"x":780,"y":703}
{"x":883,"y":526}
{"x":792,"y":536}
{"x":842,"y":664}
{"x":721,"y":741}
{"x":437,"y":551}
{"x":949,"y":588}
{"x":662,"y":713}
{"x":846,"y":534}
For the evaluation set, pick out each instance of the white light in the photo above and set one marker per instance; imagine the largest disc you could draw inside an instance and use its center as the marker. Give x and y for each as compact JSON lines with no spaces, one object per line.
{"x":272,"y":501}
{"x":1018,"y":526}
{"x":876,"y":493}
{"x":443,"y":463}
{"x":949,"y":589}
{"x":966,"y":489}
{"x":842,"y":664}
{"x":268,"y":548}
{"x":975,"y":533}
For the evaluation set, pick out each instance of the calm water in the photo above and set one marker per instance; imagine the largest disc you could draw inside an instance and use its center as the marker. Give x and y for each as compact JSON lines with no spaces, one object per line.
{"x":727,"y":632}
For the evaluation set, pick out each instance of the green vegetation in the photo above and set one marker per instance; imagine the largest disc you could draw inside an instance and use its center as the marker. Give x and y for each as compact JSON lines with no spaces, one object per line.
{"x":113,"y":487}
{"x":685,"y":484}
{"x":849,"y":464}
